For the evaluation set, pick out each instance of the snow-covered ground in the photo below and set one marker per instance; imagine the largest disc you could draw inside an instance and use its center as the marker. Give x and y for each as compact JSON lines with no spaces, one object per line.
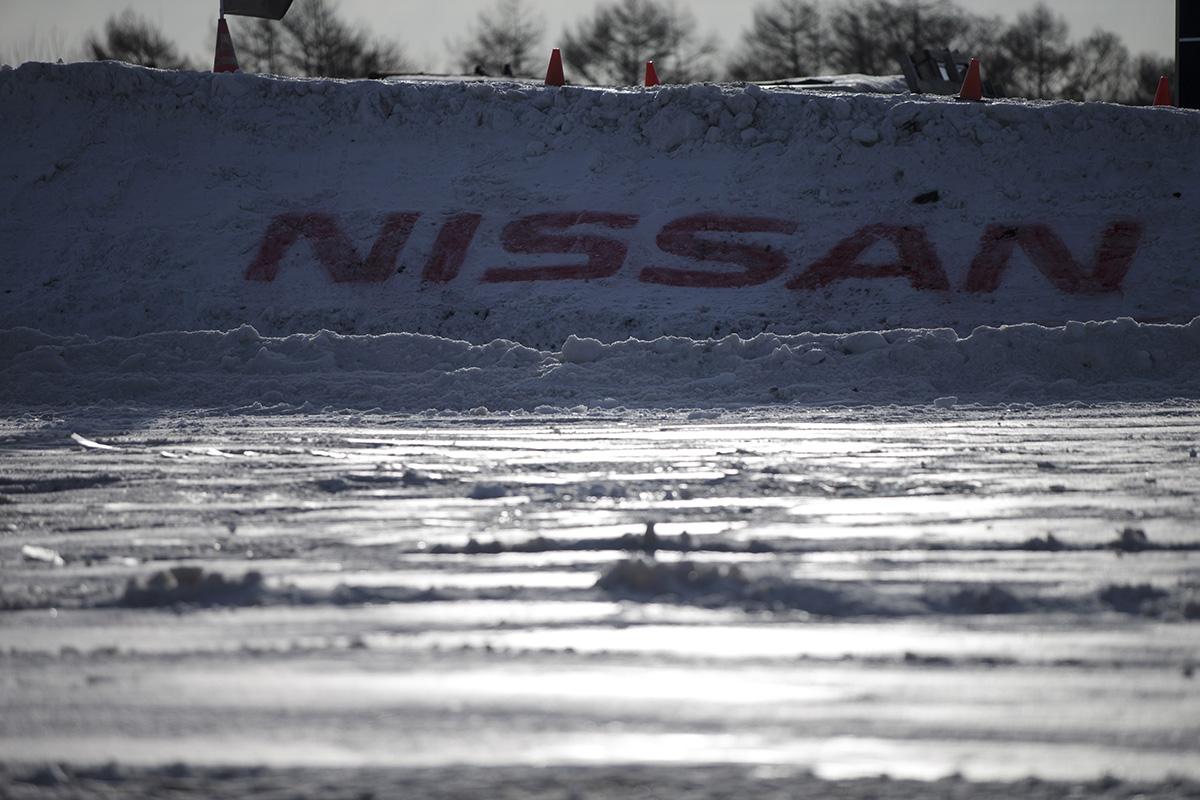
{"x":489,"y":439}
{"x":999,"y":592}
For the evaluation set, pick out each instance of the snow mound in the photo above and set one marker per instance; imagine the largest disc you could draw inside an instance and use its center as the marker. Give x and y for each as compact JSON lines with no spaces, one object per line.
{"x":139,"y":201}
{"x":1109,"y":361}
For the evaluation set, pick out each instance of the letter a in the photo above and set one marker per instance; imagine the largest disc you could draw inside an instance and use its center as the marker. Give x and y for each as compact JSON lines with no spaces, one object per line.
{"x":916,"y":260}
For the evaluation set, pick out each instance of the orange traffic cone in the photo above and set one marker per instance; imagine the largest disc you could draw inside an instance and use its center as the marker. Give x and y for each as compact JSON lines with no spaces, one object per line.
{"x":554,"y":73}
{"x":226,"y":58}
{"x":1163,"y":96}
{"x":972,"y":88}
{"x":651,"y":74}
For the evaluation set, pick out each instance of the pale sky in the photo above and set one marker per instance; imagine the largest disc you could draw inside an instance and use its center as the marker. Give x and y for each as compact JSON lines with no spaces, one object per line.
{"x":44,"y":29}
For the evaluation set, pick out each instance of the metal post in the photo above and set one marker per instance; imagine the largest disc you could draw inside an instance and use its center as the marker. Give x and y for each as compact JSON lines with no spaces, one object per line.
{"x":1187,"y":53}
{"x":222,"y":9}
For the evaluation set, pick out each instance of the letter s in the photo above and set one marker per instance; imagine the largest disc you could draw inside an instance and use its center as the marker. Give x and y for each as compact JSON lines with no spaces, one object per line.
{"x":533,"y":235}
{"x":759,"y":262}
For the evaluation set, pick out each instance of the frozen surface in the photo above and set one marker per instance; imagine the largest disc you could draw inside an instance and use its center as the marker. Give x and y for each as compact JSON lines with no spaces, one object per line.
{"x":432,"y":590}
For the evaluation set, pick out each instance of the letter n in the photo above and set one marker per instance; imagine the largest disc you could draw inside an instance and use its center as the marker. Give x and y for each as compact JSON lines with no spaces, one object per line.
{"x":332,"y":247}
{"x":1051,"y":257}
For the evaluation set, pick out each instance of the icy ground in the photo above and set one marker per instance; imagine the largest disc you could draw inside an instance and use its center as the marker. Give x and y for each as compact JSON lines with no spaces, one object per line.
{"x":997,"y":592}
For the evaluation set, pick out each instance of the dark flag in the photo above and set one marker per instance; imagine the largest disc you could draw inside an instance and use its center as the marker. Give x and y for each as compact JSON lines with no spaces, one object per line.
{"x":1187,"y":53}
{"x":266,"y":9}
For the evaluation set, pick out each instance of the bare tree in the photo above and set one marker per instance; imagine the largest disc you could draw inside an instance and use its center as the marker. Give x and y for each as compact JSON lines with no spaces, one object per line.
{"x":507,"y":35}
{"x":854,"y":40}
{"x":133,"y":39}
{"x":1036,"y":54}
{"x":1101,"y":69}
{"x":786,"y":40}
{"x":613,"y":46}
{"x":916,"y":24}
{"x":262,"y":48}
{"x":871,"y":36}
{"x":313,"y":40}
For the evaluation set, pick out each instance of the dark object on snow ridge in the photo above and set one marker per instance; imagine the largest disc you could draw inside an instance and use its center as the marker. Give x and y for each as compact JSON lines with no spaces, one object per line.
{"x":194,"y":586}
{"x":1050,"y":544}
{"x":649,"y":540}
{"x":939,"y":72}
{"x":1131,"y":540}
{"x":1140,"y":599}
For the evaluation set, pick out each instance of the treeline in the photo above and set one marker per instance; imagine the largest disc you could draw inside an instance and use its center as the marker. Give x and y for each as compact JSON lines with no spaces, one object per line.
{"x":1032,"y":56}
{"x":313,"y":40}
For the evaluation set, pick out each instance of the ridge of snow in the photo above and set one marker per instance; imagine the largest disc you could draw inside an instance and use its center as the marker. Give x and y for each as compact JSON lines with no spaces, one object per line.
{"x":1109,"y":361}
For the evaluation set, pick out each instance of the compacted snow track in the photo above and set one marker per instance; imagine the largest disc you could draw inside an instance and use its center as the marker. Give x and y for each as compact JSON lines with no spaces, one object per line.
{"x":1001,"y":592}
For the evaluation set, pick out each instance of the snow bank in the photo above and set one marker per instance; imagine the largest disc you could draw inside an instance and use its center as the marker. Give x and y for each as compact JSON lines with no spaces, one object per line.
{"x":1119,"y":360}
{"x":600,"y":782}
{"x":137,"y":201}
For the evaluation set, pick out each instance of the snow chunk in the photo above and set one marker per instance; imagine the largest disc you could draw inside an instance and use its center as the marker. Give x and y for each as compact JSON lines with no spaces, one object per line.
{"x":672,"y":127}
{"x":91,"y":445}
{"x":576,"y":350}
{"x":863,"y":342}
{"x":865,"y":135}
{"x":487,"y":491}
{"x":42,"y":555}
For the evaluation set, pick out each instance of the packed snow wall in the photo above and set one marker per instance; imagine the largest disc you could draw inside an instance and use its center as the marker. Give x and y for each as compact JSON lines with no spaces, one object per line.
{"x":137,"y":200}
